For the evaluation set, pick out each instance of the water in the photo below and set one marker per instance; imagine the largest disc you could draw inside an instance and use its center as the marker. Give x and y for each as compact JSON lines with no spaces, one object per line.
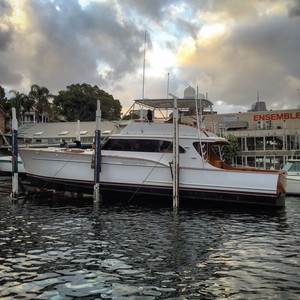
{"x":73,"y":249}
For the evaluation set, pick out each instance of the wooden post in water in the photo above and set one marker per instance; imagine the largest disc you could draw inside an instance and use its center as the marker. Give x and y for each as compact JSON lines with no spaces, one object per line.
{"x":15,"y":177}
{"x":97,"y":155}
{"x":175,"y":154}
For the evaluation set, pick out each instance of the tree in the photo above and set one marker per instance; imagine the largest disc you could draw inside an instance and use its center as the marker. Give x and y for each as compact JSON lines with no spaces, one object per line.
{"x":3,"y":100}
{"x":22,"y":103}
{"x":2,"y":93}
{"x":40,"y":96}
{"x":230,"y":151}
{"x":79,"y":102}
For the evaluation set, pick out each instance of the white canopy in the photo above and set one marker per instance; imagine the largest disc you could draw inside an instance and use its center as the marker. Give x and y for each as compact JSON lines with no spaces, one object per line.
{"x":167,"y":103}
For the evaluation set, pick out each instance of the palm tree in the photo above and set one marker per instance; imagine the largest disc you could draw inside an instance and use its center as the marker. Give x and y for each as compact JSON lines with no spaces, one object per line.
{"x":40,"y":96}
{"x":22,"y":103}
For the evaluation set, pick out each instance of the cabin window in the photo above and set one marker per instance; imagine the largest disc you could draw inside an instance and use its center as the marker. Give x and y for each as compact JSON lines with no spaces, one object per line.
{"x":140,"y":145}
{"x":117,"y":145}
{"x":204,"y":148}
{"x":210,"y":151}
{"x":166,"y":146}
{"x":145,"y":145}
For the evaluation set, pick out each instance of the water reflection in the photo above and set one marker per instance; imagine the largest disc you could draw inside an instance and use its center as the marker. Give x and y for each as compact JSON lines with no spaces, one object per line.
{"x":72,"y":248}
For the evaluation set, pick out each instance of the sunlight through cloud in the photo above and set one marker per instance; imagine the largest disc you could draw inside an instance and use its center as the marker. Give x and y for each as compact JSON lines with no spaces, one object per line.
{"x":212,"y":30}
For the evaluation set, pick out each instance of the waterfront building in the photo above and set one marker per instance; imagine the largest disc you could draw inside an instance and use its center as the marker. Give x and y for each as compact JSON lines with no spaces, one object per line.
{"x":267,"y":138}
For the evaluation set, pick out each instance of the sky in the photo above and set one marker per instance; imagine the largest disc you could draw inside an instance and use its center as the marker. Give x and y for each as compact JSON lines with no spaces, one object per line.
{"x":234,"y":51}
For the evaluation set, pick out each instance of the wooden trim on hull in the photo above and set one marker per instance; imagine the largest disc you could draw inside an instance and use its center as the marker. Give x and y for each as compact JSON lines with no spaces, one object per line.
{"x":185,"y":194}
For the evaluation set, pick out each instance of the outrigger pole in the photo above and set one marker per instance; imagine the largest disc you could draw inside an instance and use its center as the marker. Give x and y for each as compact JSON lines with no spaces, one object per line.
{"x":97,"y":155}
{"x":15,"y":179}
{"x":175,"y":154}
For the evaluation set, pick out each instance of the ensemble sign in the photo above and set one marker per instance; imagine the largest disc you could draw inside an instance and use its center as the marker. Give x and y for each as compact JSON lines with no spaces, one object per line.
{"x":277,"y":116}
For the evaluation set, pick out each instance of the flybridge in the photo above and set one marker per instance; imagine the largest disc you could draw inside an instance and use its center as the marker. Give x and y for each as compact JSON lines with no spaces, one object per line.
{"x":276,"y":116}
{"x":169,"y":103}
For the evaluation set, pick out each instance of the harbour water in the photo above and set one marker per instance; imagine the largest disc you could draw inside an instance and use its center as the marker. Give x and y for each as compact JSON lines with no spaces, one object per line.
{"x":74,"y":249}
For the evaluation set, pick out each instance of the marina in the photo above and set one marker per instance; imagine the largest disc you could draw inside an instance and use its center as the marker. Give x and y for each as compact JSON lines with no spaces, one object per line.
{"x":57,"y":242}
{"x":164,"y":158}
{"x":262,"y":144}
{"x":150,"y":150}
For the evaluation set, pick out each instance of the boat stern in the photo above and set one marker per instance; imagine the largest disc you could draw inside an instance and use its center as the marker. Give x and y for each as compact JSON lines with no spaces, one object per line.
{"x":281,"y":183}
{"x":281,"y":188}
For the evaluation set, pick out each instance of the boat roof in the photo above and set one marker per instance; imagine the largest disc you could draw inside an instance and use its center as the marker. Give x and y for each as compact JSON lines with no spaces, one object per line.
{"x":168,"y":103}
{"x":146,"y":130}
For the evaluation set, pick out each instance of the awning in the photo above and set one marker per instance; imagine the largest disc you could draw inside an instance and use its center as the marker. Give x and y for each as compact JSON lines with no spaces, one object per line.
{"x":168,"y":103}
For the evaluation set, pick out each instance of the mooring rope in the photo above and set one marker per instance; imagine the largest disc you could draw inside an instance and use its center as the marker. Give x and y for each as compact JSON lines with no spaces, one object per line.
{"x":139,"y":187}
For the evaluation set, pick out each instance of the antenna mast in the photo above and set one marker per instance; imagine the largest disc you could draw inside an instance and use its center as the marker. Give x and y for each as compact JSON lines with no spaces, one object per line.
{"x":143,"y":87}
{"x":144,"y":62}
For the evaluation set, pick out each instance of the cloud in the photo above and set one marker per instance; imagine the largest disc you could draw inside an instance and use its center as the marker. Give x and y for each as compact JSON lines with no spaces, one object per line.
{"x":294,"y":9}
{"x":154,"y":10}
{"x":247,"y":57}
{"x":6,"y":29}
{"x":65,"y":45}
{"x":229,"y":49}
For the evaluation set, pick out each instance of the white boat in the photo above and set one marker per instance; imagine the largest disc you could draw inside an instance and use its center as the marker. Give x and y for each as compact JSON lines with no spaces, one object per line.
{"x":6,"y":165}
{"x":138,"y":160}
{"x":292,"y":168}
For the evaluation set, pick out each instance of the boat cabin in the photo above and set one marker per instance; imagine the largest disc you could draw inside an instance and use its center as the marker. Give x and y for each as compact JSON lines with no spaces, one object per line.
{"x":292,"y":166}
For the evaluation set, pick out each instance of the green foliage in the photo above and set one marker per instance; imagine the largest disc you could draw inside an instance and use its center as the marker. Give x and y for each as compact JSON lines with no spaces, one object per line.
{"x":3,"y":100}
{"x":21,"y":102}
{"x":38,"y":99}
{"x":39,"y":95}
{"x":79,"y":102}
{"x":2,"y":93}
{"x":230,"y":151}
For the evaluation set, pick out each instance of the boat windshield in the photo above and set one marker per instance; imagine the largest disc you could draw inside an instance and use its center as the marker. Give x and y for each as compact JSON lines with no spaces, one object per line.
{"x":292,"y":166}
{"x":140,"y":145}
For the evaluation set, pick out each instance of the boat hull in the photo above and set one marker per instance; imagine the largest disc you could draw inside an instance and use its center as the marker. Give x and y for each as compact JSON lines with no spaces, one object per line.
{"x":151,"y":174}
{"x":131,"y":191}
{"x":293,"y":185}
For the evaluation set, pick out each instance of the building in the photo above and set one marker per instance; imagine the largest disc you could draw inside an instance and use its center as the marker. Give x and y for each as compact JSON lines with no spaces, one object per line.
{"x":54,"y":133}
{"x":266,"y":138}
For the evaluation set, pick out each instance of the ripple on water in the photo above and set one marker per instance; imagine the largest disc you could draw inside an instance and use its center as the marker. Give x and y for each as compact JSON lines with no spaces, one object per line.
{"x":68,"y":250}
